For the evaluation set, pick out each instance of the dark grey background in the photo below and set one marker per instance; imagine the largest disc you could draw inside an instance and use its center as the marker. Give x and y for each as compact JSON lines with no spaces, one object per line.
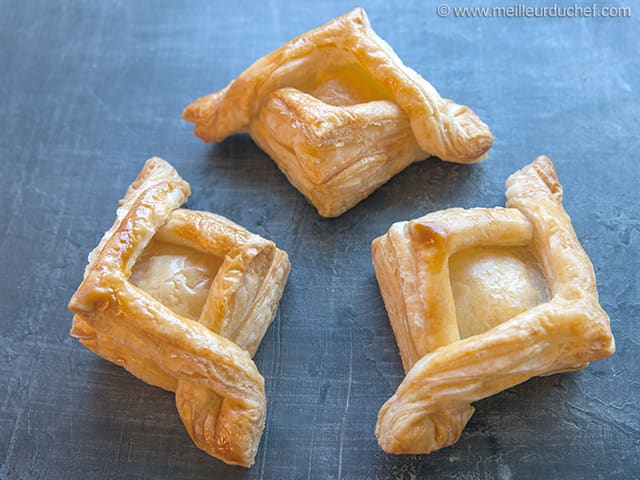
{"x":89,"y":90}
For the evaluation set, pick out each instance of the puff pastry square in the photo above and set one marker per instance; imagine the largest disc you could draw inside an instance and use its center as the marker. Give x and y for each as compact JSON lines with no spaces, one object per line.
{"x":182,"y":299}
{"x":480,"y":300}
{"x":340,"y":114}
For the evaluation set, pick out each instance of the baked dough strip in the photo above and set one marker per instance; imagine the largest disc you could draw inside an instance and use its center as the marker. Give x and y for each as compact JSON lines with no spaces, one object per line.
{"x":445,"y":374}
{"x":340,"y":114}
{"x":219,"y":391}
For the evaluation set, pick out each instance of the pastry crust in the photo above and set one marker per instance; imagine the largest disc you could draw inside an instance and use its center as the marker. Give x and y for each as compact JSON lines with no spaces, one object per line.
{"x":205,"y":360}
{"x":444,"y":373}
{"x":340,"y":114}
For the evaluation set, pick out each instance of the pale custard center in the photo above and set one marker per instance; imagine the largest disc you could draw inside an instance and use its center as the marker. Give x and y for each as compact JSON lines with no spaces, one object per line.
{"x":493,"y":285}
{"x":176,"y":276}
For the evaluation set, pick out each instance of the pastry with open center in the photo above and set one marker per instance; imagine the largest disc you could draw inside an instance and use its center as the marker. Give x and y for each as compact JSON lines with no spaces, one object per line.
{"x":182,"y":299}
{"x":480,"y":300}
{"x":340,"y":114}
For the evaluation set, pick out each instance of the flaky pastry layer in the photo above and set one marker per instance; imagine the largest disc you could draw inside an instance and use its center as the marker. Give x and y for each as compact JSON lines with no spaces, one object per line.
{"x":206,"y":360}
{"x":444,"y":373}
{"x":340,"y":114}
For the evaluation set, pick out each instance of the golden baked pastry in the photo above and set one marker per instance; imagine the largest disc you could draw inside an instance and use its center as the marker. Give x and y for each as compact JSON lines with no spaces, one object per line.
{"x":182,"y":299}
{"x":340,"y":114}
{"x":480,"y":300}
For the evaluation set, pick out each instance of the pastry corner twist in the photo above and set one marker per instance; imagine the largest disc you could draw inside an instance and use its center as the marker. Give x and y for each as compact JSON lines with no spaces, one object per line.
{"x":445,"y":373}
{"x":206,"y":360}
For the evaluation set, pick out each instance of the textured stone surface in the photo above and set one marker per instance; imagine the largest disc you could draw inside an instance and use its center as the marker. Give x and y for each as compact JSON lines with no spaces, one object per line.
{"x":91,"y":89}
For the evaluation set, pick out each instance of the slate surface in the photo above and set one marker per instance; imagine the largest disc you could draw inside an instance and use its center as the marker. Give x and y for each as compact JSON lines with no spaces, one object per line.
{"x":91,"y":89}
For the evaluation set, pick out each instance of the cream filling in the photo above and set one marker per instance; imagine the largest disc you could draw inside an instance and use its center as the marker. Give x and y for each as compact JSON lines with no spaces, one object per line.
{"x":347,"y":84}
{"x":493,"y":285}
{"x":176,"y":276}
